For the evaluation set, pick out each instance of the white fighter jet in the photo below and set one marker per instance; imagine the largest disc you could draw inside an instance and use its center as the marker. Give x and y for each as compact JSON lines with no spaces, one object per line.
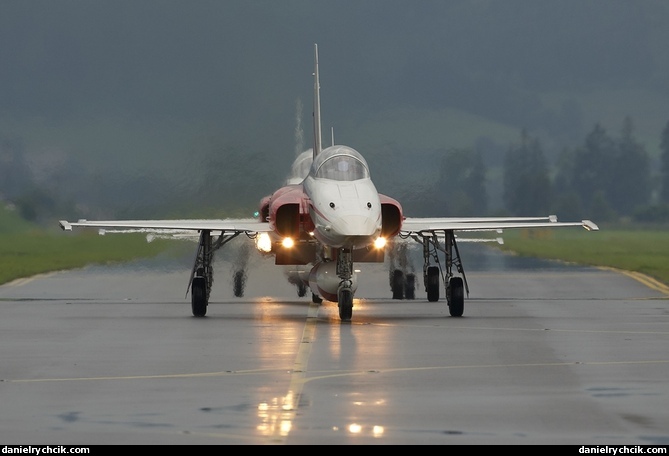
{"x":323,"y":223}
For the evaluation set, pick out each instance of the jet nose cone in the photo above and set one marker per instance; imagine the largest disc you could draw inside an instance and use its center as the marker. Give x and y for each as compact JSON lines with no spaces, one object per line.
{"x":357,"y":225}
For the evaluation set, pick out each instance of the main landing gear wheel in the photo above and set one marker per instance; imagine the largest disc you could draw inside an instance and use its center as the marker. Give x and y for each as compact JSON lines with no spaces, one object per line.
{"x":403,"y":286}
{"x":199,"y":296}
{"x":397,"y":284}
{"x":456,"y":297}
{"x":345,"y":304}
{"x":316,"y":299}
{"x":433,"y":283}
{"x":238,"y":283}
{"x":410,"y":286}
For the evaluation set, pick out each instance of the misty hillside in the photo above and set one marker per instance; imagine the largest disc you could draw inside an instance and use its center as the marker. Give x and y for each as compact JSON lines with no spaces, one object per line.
{"x":165,"y":107}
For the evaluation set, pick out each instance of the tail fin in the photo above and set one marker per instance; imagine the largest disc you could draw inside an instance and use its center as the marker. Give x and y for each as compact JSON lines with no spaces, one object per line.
{"x":317,"y":106}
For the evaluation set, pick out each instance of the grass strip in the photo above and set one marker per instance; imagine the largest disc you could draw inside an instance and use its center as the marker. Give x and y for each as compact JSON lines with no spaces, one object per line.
{"x":639,"y":249}
{"x":24,"y":254}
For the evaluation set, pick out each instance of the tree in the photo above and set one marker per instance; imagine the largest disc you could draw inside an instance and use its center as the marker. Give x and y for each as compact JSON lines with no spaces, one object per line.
{"x":592,"y":166}
{"x":567,"y":201}
{"x":567,"y":206}
{"x":527,"y":184}
{"x":629,"y":184}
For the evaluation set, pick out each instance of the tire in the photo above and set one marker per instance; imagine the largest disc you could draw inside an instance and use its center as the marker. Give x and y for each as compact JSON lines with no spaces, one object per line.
{"x":397,"y":284}
{"x":410,"y":286}
{"x":301,"y":289}
{"x":433,"y":284}
{"x":198,"y":295}
{"x":456,"y":297}
{"x":238,"y":283}
{"x":345,"y":305}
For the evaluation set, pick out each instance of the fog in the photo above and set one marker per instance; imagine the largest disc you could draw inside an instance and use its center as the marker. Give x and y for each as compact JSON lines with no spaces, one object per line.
{"x":165,"y":107}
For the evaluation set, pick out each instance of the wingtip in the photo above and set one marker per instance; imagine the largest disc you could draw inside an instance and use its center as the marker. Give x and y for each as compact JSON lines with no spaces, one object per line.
{"x":590,"y":225}
{"x":65,"y":225}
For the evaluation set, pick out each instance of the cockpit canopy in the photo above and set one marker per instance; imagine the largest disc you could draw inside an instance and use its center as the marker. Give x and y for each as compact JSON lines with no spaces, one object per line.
{"x":340,"y":163}
{"x":301,"y":167}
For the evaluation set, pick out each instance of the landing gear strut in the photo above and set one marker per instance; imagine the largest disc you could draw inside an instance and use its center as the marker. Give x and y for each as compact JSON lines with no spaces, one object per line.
{"x":432,"y":270}
{"x":202,"y":274}
{"x":345,"y":292}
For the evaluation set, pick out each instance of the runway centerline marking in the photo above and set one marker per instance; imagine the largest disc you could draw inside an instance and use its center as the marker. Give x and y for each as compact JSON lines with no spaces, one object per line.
{"x":299,"y":379}
{"x":483,"y":366}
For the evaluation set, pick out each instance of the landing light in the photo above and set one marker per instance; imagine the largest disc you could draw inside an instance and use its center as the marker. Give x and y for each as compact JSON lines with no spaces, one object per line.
{"x":288,"y":243}
{"x":380,"y":242}
{"x":264,"y":243}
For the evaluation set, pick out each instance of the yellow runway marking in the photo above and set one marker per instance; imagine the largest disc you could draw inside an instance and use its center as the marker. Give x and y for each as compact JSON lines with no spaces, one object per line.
{"x":642,"y":278}
{"x":25,"y":280}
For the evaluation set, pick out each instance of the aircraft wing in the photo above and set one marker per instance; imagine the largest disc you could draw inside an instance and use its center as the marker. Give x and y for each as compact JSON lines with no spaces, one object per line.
{"x":412,"y":225}
{"x":249,"y":225}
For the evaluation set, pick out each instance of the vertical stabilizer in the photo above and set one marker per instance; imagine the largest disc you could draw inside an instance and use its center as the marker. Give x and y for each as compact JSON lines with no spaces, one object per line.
{"x":317,"y":105}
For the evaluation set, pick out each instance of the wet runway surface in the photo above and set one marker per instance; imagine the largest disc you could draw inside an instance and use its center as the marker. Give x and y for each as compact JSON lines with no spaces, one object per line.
{"x":545,"y":353}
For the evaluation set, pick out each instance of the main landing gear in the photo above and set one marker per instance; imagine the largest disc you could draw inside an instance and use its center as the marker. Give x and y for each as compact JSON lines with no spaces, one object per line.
{"x":202,"y":275}
{"x":402,"y":277}
{"x":433,"y":274}
{"x":403,"y":285}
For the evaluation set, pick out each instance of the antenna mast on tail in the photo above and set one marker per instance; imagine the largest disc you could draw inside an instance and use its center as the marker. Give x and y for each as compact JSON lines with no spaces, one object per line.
{"x":317,"y":106}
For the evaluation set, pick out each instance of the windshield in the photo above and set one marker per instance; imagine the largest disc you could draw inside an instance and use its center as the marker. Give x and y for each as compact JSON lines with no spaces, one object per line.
{"x":342,"y":168}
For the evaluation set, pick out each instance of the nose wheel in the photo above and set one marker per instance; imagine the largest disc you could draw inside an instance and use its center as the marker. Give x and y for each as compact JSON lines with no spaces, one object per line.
{"x":345,"y":291}
{"x":345,"y":302}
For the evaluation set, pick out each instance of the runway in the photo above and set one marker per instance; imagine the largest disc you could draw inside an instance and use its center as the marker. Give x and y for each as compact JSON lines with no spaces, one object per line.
{"x":546,"y":353}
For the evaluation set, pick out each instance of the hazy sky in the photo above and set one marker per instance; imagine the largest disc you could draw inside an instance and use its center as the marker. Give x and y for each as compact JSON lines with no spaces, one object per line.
{"x":240,"y":59}
{"x":155,"y":81}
